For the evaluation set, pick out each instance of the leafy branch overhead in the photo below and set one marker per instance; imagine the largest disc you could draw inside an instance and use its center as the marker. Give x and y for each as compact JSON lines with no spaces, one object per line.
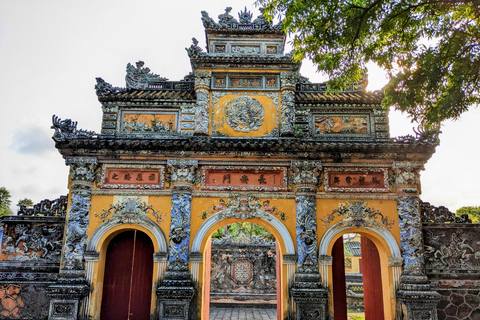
{"x":431,"y":49}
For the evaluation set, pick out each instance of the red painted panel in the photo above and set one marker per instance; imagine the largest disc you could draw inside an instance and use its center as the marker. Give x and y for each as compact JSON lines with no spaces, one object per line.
{"x":372,"y":281}
{"x":141,"y":291}
{"x":128,"y":277}
{"x":339,"y":291}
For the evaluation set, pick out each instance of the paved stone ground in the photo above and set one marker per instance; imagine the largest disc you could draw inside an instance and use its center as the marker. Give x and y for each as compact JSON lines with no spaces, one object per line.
{"x":242,"y":314}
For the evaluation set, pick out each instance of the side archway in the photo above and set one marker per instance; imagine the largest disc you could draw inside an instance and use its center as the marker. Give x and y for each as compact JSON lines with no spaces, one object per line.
{"x":390,"y":255}
{"x":96,"y":251}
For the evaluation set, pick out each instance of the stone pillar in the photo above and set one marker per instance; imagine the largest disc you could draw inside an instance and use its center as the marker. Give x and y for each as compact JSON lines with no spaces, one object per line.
{"x":288,"y":81}
{"x":415,"y":297}
{"x":310,"y":297}
{"x":72,"y":286}
{"x":202,"y":90}
{"x":176,"y":292}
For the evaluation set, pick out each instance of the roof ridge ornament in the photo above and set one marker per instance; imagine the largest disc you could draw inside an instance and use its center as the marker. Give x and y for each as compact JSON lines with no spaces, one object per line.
{"x":227,"y":22}
{"x":139,"y":77}
{"x":194,"y":50}
{"x":67,"y":129}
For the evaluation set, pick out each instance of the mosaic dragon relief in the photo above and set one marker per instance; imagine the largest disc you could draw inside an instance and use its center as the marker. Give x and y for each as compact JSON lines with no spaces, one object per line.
{"x":306,"y":233}
{"x":244,"y":114}
{"x":77,"y":225}
{"x":32,"y":242}
{"x":179,"y":232}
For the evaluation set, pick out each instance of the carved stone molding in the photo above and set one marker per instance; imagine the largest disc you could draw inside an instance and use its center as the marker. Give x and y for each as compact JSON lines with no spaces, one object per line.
{"x":407,"y":176}
{"x":183,"y":173}
{"x":202,"y":86}
{"x":306,"y":175}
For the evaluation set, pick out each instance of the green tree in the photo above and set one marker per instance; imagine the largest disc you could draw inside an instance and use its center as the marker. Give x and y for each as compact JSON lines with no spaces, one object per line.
{"x":431,"y":49}
{"x":25,"y":202}
{"x":472,"y":211}
{"x":5,"y":202}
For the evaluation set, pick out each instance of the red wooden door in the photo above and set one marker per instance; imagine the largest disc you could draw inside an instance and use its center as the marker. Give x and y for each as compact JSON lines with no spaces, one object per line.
{"x":127,"y":285}
{"x":372,"y":281}
{"x":339,"y":288}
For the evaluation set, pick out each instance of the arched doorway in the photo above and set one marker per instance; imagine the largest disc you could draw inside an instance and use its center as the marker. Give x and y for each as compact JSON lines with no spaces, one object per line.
{"x":285,"y":253}
{"x":389,"y":257}
{"x":368,"y":269}
{"x":127,"y":285}
{"x":243,"y":272}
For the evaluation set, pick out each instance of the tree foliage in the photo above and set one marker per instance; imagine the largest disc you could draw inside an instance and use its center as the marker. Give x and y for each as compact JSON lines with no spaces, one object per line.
{"x":25,"y":202}
{"x":431,"y":49}
{"x":473,"y":212}
{"x":247,"y":228}
{"x":5,"y":202}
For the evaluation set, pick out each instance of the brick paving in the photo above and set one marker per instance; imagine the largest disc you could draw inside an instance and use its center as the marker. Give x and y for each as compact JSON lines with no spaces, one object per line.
{"x":242,"y":314}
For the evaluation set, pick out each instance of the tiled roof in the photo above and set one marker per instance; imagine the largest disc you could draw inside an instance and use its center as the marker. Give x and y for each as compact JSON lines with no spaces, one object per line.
{"x":151,"y":95}
{"x":354,"y":97}
{"x":354,"y":247}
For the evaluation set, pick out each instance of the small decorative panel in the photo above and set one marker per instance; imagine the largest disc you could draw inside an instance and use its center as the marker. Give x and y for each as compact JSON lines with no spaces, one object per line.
{"x":132,"y":177}
{"x":147,"y":122}
{"x":247,"y":49}
{"x":342,"y":125}
{"x":244,"y":178}
{"x":356,"y":180}
{"x":245,"y":81}
{"x":242,"y":271}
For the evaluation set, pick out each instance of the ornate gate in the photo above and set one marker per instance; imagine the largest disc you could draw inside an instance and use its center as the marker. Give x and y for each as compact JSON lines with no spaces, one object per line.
{"x":127,"y":289}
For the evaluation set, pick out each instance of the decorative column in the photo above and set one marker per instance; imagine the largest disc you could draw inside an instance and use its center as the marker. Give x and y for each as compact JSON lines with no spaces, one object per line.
{"x":72,"y":286}
{"x":288,"y":81}
{"x":202,"y":90}
{"x":310,"y":297}
{"x":416,"y":299}
{"x":176,"y":292}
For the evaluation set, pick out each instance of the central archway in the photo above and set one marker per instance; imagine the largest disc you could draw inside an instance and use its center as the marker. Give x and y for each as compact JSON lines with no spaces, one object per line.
{"x":286,"y":252}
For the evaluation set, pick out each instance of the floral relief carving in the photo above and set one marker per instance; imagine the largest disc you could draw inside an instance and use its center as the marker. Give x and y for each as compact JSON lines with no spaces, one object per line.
{"x":129,"y":210}
{"x":179,"y":232}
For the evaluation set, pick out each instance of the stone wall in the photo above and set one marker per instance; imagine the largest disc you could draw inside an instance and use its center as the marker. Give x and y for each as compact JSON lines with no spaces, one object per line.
{"x":452,"y":259}
{"x":243,"y":273}
{"x":30,"y":259}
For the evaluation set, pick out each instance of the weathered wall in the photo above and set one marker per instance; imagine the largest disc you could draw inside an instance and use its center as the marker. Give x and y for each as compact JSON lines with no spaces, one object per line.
{"x":452,"y":248}
{"x":30,"y":259}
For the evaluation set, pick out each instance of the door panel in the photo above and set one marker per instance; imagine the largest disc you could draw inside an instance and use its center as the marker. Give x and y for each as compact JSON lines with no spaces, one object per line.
{"x":128,"y":275}
{"x":339,"y":291}
{"x":372,"y":281}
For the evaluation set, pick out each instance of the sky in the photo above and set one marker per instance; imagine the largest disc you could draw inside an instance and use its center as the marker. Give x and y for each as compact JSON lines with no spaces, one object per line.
{"x":51,"y":51}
